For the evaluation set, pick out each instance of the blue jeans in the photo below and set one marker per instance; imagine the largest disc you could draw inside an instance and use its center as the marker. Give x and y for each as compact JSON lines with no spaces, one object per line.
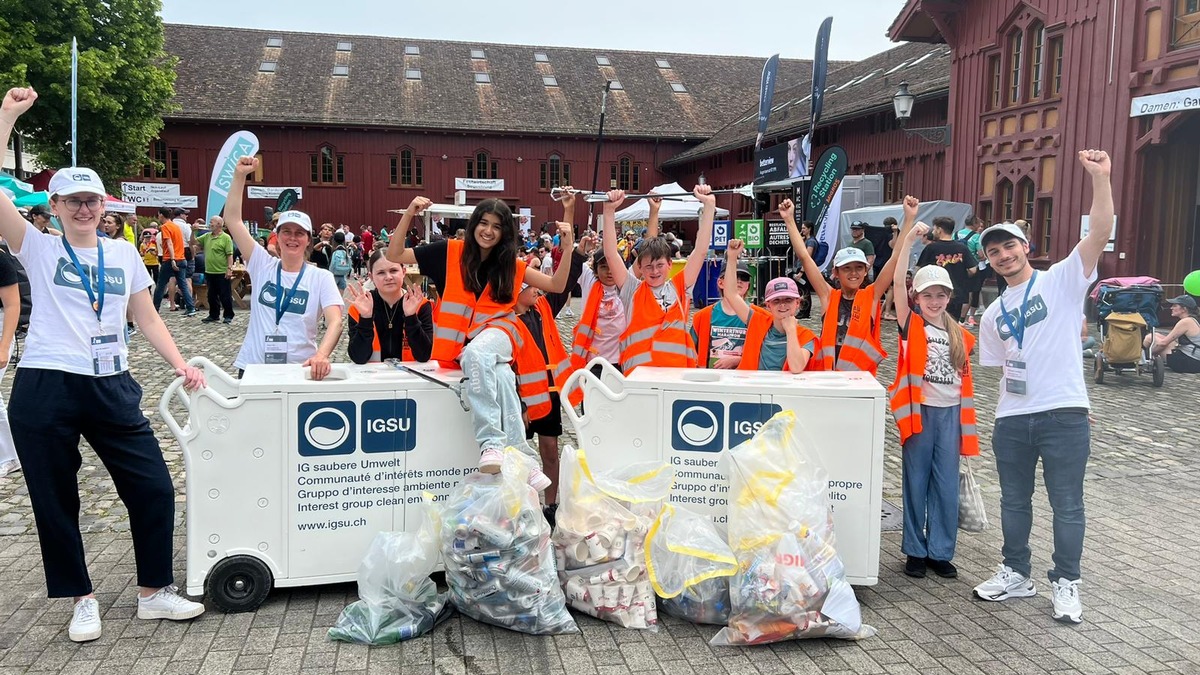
{"x":165,"y":274}
{"x":1062,"y":439}
{"x":491,"y":392}
{"x":930,"y":474}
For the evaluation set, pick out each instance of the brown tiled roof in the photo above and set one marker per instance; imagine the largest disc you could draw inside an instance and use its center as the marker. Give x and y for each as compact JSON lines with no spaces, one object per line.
{"x":851,"y":91}
{"x":219,"y":80}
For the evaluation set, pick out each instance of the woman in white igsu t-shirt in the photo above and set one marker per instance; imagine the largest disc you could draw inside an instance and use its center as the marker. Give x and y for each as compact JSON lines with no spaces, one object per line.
{"x":74,"y":380}
{"x":288,"y":295}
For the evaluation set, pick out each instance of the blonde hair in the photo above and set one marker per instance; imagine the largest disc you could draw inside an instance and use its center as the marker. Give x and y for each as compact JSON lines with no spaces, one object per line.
{"x":958,"y":347}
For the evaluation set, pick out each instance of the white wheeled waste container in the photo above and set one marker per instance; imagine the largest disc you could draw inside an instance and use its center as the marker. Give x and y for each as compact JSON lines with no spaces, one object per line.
{"x":289,"y":479}
{"x":690,"y":418}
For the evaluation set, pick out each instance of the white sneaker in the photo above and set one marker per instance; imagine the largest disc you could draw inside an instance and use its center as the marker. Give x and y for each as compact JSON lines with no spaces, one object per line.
{"x":167,"y":603}
{"x":11,"y":466}
{"x":1067,"y":607}
{"x":85,"y":624}
{"x":1006,"y":584}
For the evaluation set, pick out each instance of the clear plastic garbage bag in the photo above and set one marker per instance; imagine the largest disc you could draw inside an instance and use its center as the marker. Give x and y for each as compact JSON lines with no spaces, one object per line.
{"x":689,"y":565}
{"x":496,"y":545}
{"x":790,"y":581}
{"x":600,"y":536}
{"x":397,"y":599}
{"x":971,"y":515}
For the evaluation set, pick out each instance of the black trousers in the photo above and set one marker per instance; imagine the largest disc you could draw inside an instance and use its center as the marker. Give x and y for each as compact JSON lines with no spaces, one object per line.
{"x":48,"y":411}
{"x":220,"y":295}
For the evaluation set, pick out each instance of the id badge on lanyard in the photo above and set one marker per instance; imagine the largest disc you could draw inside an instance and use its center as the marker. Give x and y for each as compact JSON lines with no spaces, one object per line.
{"x":1016,"y":376}
{"x":105,"y":347}
{"x":275,"y":347}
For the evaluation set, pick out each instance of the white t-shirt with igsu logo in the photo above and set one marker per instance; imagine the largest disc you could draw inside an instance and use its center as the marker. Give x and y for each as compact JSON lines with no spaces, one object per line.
{"x":62,"y":322}
{"x":317,"y":290}
{"x":1051,"y":353}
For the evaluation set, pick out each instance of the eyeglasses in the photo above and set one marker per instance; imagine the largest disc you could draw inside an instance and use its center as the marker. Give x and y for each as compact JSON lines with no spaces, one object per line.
{"x":74,"y":204}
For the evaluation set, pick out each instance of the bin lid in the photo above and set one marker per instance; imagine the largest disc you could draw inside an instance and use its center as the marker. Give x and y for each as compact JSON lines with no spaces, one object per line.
{"x":345,"y":377}
{"x":825,"y":384}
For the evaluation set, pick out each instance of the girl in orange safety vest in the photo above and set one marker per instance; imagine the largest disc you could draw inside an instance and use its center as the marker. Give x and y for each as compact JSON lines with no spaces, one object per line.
{"x":933,"y":402}
{"x":479,"y":279}
{"x":851,"y":326}
{"x":657,"y":305}
{"x":774,"y":341}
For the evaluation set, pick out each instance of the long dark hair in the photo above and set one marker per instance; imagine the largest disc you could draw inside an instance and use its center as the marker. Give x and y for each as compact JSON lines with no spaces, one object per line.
{"x":504,"y":267}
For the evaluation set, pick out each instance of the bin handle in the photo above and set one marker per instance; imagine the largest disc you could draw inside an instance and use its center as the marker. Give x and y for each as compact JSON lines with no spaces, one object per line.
{"x":585,"y":373}
{"x":175,"y":389}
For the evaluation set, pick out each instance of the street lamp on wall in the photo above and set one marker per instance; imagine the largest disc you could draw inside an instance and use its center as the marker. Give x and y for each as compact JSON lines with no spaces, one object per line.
{"x":903,"y":104}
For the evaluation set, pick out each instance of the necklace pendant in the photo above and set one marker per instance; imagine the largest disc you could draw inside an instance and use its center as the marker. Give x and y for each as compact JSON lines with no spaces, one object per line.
{"x":95,"y":306}
{"x":389,"y":325}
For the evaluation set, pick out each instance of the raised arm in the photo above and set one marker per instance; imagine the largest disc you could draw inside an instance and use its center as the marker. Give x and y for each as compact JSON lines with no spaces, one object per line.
{"x":233,"y":209}
{"x":695,"y":261}
{"x":557,"y":283}
{"x":884,"y":282}
{"x":730,"y":293}
{"x":1103,"y":214}
{"x":616,"y":264}
{"x":396,"y":250}
{"x":899,"y":273}
{"x":568,"y":202}
{"x":16,"y":102}
{"x":655,"y":203}
{"x":787,"y":210}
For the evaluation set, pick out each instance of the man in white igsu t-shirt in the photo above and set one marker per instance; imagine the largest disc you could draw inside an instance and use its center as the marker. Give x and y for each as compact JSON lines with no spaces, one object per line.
{"x":1032,"y":331}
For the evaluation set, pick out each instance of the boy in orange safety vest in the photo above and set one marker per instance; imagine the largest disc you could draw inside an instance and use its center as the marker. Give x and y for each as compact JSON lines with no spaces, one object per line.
{"x":656,"y":305}
{"x":933,"y":401}
{"x":851,"y":325}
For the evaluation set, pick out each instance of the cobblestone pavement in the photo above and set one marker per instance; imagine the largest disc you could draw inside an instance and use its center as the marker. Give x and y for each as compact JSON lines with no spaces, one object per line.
{"x":1140,"y":570}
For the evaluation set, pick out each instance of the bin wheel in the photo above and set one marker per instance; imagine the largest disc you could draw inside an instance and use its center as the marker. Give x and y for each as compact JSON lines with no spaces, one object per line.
{"x":239,"y":584}
{"x":1160,"y":370}
{"x":1099,"y":368}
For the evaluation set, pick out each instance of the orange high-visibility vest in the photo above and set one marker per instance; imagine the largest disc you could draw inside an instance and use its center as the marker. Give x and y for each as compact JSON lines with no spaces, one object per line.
{"x":756,"y":334}
{"x":461,"y":316}
{"x":405,"y":352}
{"x":702,"y":324}
{"x":558,"y":364}
{"x":582,"y":350}
{"x":655,"y":337}
{"x":907,"y":393}
{"x":861,"y":349}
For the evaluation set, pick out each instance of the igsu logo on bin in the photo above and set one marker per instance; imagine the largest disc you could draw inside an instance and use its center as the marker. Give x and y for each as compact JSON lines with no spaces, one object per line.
{"x":700,"y":426}
{"x":326,"y":428}
{"x":696,"y":425}
{"x":389,"y":425}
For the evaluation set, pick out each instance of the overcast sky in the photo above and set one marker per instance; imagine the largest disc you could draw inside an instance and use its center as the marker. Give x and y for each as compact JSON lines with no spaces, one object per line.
{"x":698,"y":26}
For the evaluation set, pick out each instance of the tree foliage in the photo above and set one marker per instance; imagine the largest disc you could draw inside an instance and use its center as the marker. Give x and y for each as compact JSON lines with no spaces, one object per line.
{"x":126,"y":79}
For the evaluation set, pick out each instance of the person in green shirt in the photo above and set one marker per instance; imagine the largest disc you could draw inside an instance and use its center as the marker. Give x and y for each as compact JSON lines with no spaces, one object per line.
{"x":859,"y":241}
{"x":218,"y":272}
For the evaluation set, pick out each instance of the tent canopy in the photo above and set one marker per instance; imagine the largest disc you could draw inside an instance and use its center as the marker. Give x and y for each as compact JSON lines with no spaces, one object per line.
{"x":114,"y":205}
{"x":679,"y":208}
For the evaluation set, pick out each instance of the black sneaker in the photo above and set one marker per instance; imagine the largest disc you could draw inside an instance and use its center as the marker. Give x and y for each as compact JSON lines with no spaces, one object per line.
{"x":190,"y":312}
{"x":549,"y":511}
{"x":943,"y":568}
{"x":227,"y":321}
{"x":915,"y":567}
{"x":209,"y":319}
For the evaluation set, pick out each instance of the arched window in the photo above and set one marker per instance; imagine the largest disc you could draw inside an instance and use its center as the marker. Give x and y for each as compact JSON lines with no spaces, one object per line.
{"x":1037,"y":40}
{"x":164,"y":162}
{"x":1006,"y":200}
{"x":625,"y":174}
{"x":481,"y":166}
{"x":328,"y":167}
{"x":1027,"y":194}
{"x":406,"y":169}
{"x":554,"y":173}
{"x":1015,"y":51}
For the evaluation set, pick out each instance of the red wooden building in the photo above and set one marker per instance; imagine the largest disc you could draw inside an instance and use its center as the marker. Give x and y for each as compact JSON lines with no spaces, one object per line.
{"x":364,"y":124}
{"x":1034,"y":81}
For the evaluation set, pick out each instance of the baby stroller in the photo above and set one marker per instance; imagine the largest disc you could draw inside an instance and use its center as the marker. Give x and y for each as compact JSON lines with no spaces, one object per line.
{"x":1127,"y":311}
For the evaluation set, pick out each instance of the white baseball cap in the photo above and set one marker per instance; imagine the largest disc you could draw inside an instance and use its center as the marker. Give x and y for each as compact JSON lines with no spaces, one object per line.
{"x":1011,"y":228}
{"x":75,"y":180}
{"x":849,"y":255}
{"x":931,"y":275}
{"x":296,"y":217}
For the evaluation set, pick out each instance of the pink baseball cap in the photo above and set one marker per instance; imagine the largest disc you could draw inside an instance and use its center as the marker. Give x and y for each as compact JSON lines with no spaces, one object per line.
{"x":781,"y":287}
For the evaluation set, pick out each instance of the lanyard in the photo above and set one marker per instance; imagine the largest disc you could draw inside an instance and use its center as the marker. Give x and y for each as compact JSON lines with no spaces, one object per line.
{"x":1018,"y":330}
{"x":97,"y":302}
{"x":281,"y":307}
